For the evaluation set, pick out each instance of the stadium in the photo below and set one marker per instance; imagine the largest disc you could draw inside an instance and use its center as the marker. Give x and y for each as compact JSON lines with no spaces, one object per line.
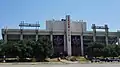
{"x":66,"y":35}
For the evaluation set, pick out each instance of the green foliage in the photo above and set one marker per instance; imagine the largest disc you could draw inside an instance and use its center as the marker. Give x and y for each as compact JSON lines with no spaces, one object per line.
{"x":98,"y":49}
{"x":43,"y":48}
{"x":110,"y":51}
{"x":10,"y":49}
{"x":1,"y":42}
{"x":95,"y":49}
{"x":1,"y":45}
{"x":27,"y":48}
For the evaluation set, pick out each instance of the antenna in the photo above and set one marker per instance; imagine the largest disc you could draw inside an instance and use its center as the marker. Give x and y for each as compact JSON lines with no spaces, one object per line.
{"x":37,"y":25}
{"x":21,"y":25}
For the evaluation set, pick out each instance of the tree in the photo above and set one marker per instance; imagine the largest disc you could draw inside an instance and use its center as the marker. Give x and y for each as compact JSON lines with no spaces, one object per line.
{"x":117,"y":49}
{"x":26,"y":48}
{"x":95,"y":49}
{"x":110,"y":51}
{"x":43,"y":48}
{"x":1,"y":44}
{"x":106,"y":52}
{"x":10,"y":49}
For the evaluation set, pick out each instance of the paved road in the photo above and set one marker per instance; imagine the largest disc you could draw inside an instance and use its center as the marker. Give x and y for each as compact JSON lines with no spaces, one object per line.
{"x":63,"y":65}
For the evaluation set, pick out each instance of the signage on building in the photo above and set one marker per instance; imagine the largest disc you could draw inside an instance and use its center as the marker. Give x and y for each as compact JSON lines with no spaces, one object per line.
{"x":68,"y":35}
{"x":29,"y":25}
{"x":69,"y":28}
{"x":68,"y":23}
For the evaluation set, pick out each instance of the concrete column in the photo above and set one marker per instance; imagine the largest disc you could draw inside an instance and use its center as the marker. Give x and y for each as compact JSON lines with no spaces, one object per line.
{"x":69,"y":46}
{"x":21,"y":34}
{"x":94,"y":32}
{"x":82,"y":47}
{"x":51,"y":38}
{"x":65,"y":46}
{"x":106,"y":32}
{"x":106,"y":38}
{"x":68,"y":35}
{"x":51,"y":32}
{"x":36,"y":35}
{"x":5,"y":36}
{"x":94,"y":35}
{"x":118,"y":40}
{"x":118,"y":37}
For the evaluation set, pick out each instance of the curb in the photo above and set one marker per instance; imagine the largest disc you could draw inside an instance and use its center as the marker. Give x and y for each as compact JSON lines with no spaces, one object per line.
{"x":32,"y":63}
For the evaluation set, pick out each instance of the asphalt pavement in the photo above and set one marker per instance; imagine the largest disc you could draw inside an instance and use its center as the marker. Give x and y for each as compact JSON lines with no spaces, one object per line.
{"x":61,"y":65}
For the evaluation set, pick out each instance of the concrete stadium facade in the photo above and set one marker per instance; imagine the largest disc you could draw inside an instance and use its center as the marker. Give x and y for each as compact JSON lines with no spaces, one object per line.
{"x":67,"y":35}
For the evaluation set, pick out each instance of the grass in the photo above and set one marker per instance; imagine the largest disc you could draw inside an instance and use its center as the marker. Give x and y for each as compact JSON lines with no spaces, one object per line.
{"x":78,"y":58}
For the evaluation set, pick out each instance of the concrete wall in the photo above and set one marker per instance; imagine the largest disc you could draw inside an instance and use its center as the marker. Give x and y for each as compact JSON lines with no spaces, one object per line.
{"x":57,"y":25}
{"x":78,"y":26}
{"x":46,"y":32}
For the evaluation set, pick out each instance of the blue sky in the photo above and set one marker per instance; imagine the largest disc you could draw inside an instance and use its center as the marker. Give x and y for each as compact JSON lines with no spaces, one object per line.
{"x":99,"y":12}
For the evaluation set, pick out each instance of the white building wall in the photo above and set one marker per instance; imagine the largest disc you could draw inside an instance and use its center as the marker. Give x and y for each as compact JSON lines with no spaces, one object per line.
{"x":84,"y":27}
{"x":57,"y":25}
{"x":49,"y":25}
{"x":78,"y":26}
